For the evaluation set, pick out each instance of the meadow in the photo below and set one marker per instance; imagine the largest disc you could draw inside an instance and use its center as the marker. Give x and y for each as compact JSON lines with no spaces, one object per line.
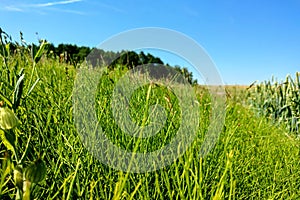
{"x":42,"y":155}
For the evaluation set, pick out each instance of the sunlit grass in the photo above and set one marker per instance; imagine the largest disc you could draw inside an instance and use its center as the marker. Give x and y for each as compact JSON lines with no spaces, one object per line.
{"x":251,"y":160}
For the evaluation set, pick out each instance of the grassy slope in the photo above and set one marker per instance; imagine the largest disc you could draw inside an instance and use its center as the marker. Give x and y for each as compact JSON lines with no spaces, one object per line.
{"x":252,"y":158}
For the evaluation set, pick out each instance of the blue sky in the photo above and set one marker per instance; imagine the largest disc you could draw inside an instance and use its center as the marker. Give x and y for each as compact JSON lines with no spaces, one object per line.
{"x":248,"y":40}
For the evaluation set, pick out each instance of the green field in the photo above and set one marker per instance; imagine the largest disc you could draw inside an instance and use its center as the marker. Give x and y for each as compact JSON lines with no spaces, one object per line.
{"x":42,"y":155}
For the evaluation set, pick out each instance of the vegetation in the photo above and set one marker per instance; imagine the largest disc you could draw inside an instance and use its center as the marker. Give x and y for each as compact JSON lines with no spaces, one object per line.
{"x":279,"y":101}
{"x":253,"y":159}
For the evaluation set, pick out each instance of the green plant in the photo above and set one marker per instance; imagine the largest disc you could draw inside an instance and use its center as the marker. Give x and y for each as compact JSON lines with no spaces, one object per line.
{"x":279,"y":101}
{"x":11,"y":95}
{"x":253,"y":159}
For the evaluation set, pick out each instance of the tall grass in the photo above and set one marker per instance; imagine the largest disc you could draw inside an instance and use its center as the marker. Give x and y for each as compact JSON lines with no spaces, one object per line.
{"x":252,"y":159}
{"x":279,"y":101}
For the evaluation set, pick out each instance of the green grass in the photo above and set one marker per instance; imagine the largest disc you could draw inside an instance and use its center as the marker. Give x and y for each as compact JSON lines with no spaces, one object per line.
{"x":252,"y":159}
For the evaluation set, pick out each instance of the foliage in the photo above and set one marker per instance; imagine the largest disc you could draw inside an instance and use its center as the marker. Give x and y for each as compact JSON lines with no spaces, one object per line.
{"x":14,"y":93}
{"x":279,"y":101}
{"x":75,"y":55}
{"x":252,"y":160}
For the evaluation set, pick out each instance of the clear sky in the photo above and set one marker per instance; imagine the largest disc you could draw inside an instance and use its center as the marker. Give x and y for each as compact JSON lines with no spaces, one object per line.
{"x":248,"y":40}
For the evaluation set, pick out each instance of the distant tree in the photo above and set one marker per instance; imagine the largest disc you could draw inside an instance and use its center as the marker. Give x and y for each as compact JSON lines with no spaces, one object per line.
{"x":143,"y":58}
{"x":130,"y":59}
{"x":152,"y":59}
{"x":188,"y":76}
{"x":75,"y":55}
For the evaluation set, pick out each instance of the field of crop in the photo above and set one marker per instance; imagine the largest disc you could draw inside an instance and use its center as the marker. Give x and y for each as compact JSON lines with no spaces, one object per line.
{"x":42,"y":155}
{"x":279,"y":101}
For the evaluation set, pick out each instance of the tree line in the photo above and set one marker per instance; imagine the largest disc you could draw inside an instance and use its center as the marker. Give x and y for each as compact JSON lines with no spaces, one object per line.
{"x":75,"y":55}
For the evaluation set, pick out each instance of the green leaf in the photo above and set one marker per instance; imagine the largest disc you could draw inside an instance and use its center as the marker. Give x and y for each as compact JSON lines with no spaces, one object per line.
{"x":7,"y":49}
{"x":40,"y":52}
{"x":32,"y":87}
{"x":8,"y":119}
{"x":18,"y":91}
{"x":36,"y":171}
{"x":18,"y":177}
{"x":8,"y":138}
{"x":4,"y":98}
